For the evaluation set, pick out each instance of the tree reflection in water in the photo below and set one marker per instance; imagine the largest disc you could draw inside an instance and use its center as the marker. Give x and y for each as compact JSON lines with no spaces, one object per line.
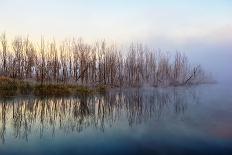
{"x":24,"y":117}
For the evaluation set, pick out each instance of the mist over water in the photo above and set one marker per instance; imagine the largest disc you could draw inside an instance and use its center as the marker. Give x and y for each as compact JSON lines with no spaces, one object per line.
{"x":181,"y":120}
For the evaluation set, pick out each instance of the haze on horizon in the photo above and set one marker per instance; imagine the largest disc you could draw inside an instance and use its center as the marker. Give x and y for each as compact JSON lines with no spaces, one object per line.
{"x":202,"y":29}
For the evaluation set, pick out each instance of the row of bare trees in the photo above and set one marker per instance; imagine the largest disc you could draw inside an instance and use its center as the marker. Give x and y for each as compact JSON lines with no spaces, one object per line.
{"x":81,"y":63}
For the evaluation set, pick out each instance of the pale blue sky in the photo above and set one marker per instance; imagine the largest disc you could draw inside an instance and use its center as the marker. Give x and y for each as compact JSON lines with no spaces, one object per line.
{"x":119,"y":20}
{"x":203,"y":28}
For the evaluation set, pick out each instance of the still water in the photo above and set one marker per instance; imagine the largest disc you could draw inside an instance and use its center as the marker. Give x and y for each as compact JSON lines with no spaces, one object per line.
{"x":180,"y":120}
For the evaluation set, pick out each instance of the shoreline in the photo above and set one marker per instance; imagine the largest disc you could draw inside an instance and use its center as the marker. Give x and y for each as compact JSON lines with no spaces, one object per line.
{"x":10,"y":87}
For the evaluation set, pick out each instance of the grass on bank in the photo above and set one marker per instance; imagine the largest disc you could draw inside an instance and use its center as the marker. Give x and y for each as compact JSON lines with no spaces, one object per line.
{"x":12,"y":87}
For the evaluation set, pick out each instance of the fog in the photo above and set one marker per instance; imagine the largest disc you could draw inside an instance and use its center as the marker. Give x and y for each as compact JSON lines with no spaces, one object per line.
{"x":214,"y":55}
{"x":216,"y":60}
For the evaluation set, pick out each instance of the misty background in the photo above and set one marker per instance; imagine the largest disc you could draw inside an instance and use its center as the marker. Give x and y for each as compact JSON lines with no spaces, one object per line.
{"x":201,"y":29}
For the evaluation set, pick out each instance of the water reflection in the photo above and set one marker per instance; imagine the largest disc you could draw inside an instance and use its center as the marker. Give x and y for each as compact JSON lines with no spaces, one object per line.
{"x":25,"y":117}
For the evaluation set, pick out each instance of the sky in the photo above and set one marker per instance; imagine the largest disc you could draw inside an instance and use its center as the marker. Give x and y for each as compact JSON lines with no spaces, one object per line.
{"x":201,"y":28}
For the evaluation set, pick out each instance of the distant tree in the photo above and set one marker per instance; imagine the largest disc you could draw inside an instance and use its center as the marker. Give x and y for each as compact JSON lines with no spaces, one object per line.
{"x":4,"y":54}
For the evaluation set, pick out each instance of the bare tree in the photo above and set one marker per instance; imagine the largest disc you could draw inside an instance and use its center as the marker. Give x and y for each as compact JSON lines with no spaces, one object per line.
{"x":4,"y":54}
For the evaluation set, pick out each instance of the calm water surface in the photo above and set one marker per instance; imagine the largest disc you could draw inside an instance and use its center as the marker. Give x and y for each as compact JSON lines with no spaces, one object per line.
{"x":183,"y":120}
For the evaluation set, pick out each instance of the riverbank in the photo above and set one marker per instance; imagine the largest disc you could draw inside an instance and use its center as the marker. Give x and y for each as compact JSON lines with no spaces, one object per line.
{"x":11,"y":87}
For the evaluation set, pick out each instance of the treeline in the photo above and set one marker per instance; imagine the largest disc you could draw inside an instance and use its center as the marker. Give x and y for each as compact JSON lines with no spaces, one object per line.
{"x":77,"y":62}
